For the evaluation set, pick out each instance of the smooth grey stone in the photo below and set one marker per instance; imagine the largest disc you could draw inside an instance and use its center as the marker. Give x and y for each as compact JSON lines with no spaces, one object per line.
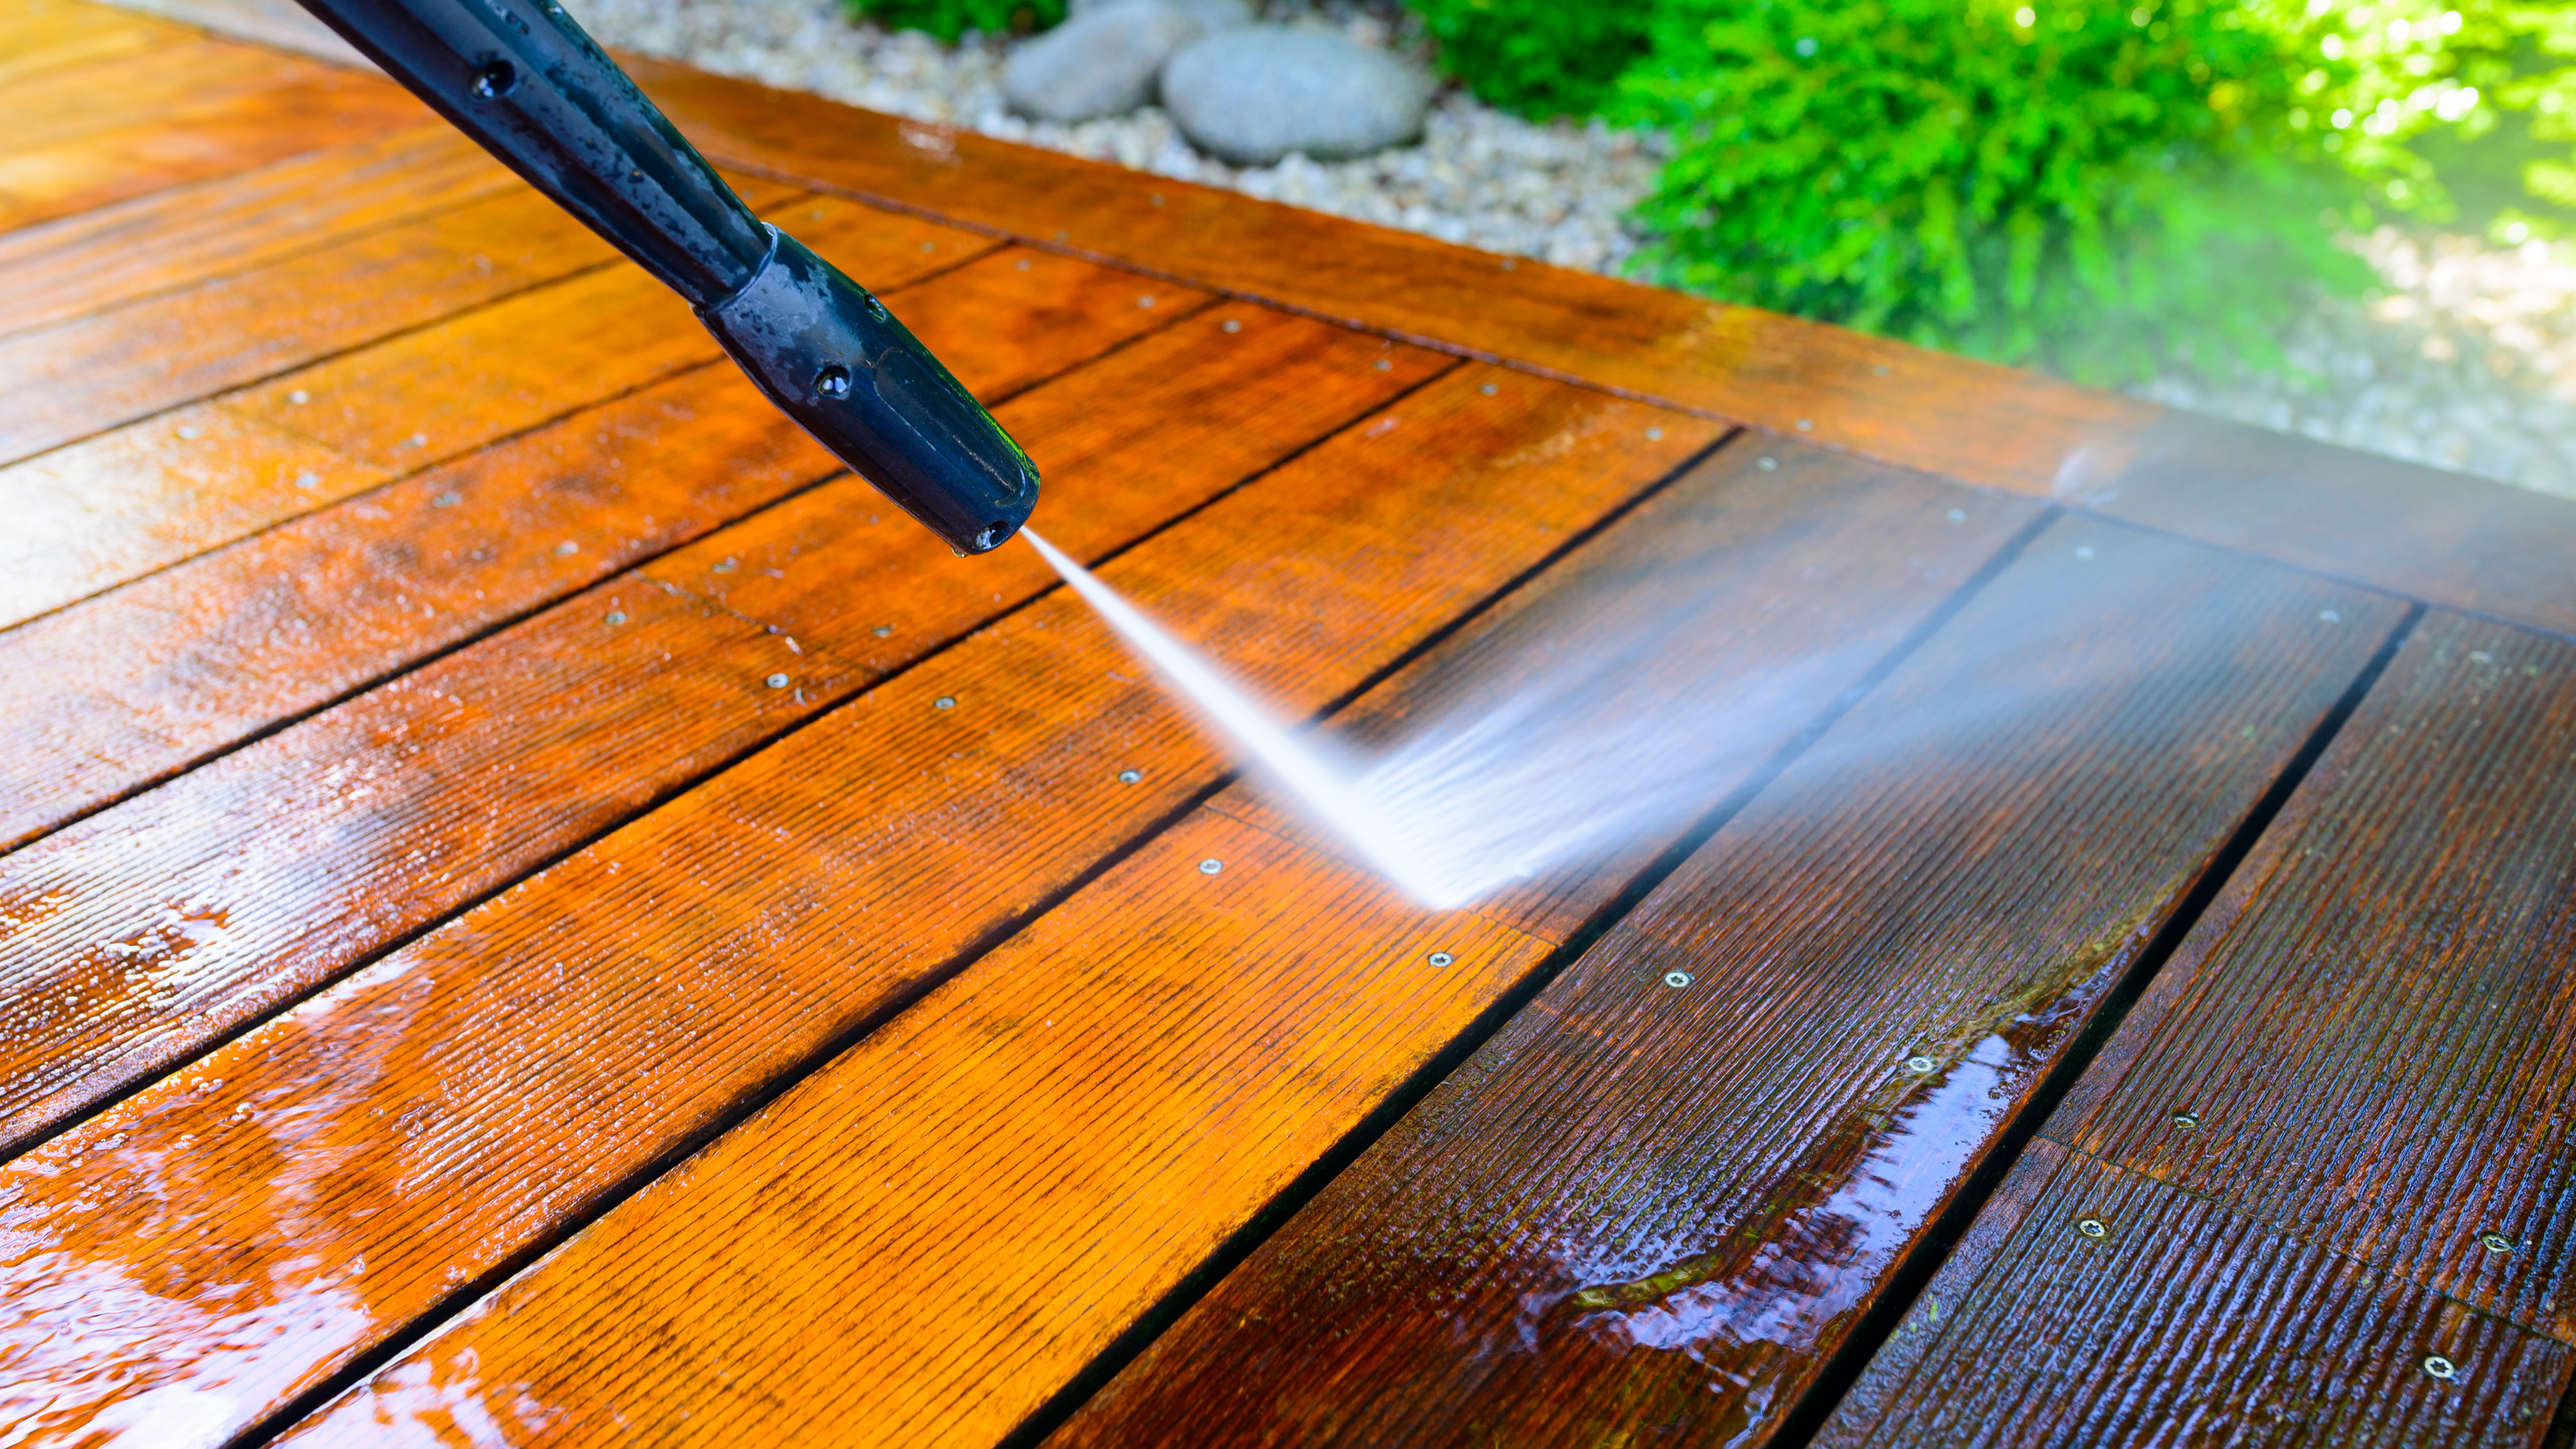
{"x":1252,"y":96}
{"x":1103,"y":61}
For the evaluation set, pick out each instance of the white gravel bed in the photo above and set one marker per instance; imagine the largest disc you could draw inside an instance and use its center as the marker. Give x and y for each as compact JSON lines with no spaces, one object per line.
{"x":2468,"y":364}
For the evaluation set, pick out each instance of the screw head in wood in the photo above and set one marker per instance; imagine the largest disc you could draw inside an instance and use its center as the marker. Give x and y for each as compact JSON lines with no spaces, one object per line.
{"x":1654,"y":435}
{"x":567,"y":549}
{"x":308,"y":480}
{"x":945,"y":701}
{"x":1441,"y":958}
{"x":616,"y":616}
{"x":2186,"y":1121}
{"x":1232,"y":324}
{"x":1489,"y":389}
{"x":299,"y":397}
{"x":2440,"y":1367}
{"x":1211,"y":866}
{"x":1385,"y":365}
{"x":1130,"y":777}
{"x":883,"y":631}
{"x":2495,"y":1243}
{"x":1920,"y":1063}
{"x":778,"y":681}
{"x":1677,"y":979}
{"x":2092,"y":1228}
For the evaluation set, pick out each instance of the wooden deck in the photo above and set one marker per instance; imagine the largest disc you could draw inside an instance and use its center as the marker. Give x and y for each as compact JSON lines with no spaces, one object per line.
{"x":452,"y":991}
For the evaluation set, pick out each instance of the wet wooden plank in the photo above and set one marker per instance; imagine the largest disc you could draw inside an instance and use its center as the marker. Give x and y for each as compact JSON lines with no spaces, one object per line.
{"x":2438,"y":536}
{"x":2184,"y":1323}
{"x":42,"y":35}
{"x":122,"y":94}
{"x":2374,"y":1030}
{"x":131,"y":940}
{"x":1124,"y":1084}
{"x":1657,"y":1200}
{"x":152,"y":493}
{"x":484,"y":1082}
{"x":1998,"y":427}
{"x":186,"y":234}
{"x":110,"y":695}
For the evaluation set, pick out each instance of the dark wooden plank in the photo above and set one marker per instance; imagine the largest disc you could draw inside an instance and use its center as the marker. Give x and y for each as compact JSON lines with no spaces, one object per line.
{"x":2375,"y":1028}
{"x":1997,"y":427}
{"x":481,"y":1084}
{"x":1657,"y":1200}
{"x":2439,"y":536}
{"x":2183,"y":1324}
{"x":131,"y":940}
{"x":122,"y":504}
{"x":186,"y":234}
{"x":997,"y":1183}
{"x":132,"y":686}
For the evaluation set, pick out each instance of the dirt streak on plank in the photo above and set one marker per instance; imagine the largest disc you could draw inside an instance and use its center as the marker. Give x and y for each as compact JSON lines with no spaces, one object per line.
{"x":131,"y":940}
{"x":122,"y":690}
{"x":356,"y":1161}
{"x":1024,"y":1163}
{"x":1654,"y":1203}
{"x":2181,"y":1313}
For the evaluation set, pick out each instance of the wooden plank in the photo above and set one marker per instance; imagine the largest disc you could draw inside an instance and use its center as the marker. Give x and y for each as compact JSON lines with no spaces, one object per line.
{"x":2184,"y":1324}
{"x":111,"y":695}
{"x":2439,"y":536}
{"x":147,"y":495}
{"x":37,"y":37}
{"x":184,"y":78}
{"x":199,"y":139}
{"x":129,"y":941}
{"x":187,"y":234}
{"x":1654,"y":1204}
{"x":1998,"y":427}
{"x":2375,"y":1028}
{"x":574,"y":1030}
{"x":995,"y":1184}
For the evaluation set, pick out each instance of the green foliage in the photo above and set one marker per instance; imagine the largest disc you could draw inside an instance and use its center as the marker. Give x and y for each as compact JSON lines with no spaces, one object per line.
{"x":1536,"y":57}
{"x":2097,"y":188}
{"x":949,"y":19}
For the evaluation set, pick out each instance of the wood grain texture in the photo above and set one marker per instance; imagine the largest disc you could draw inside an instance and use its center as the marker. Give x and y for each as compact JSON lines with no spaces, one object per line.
{"x":1998,"y":427}
{"x":2375,"y":1027}
{"x":174,"y":114}
{"x":131,"y":940}
{"x":194,"y":658}
{"x":1130,"y":1080}
{"x":2184,"y":1324}
{"x":1140,"y":436}
{"x":478,"y":1085}
{"x":1651,"y":1206}
{"x":445,"y":389}
{"x":185,"y":234}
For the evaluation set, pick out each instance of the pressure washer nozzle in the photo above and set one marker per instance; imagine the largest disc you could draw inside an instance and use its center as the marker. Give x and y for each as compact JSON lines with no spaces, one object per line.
{"x":834,"y":359}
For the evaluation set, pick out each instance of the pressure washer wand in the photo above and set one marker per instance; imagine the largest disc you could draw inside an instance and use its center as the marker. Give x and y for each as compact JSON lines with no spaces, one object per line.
{"x":523,"y":80}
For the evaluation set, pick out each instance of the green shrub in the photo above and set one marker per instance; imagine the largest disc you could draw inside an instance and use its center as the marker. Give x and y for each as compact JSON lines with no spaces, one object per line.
{"x":2097,"y":188}
{"x":1536,"y":57}
{"x":949,"y":19}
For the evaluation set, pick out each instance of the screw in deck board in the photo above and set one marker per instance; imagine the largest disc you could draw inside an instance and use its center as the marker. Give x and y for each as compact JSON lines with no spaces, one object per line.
{"x":615,"y":617}
{"x":1441,"y":958}
{"x":2186,"y":1121}
{"x":2496,"y":1243}
{"x":2092,"y":1228}
{"x":945,"y":701}
{"x":1677,"y":979}
{"x":1130,"y":777}
{"x":778,"y":681}
{"x":2441,"y":1368}
{"x":1919,"y":1064}
{"x":1211,"y":866}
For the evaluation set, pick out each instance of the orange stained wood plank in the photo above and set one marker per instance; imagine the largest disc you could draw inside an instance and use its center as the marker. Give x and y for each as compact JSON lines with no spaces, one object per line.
{"x":1046,"y":1146}
{"x":186,"y":78}
{"x":1155,"y":428}
{"x":186,"y":234}
{"x":36,"y":37}
{"x":2183,"y":1323}
{"x":1655,"y":1203}
{"x":75,"y":378}
{"x":154,"y":492}
{"x":439,"y":391}
{"x":2374,"y":1030}
{"x":1968,"y":420}
{"x":124,"y":503}
{"x":131,"y":686}
{"x":1954,"y":416}
{"x":481,"y":1084}
{"x":198,"y":139}
{"x":129,"y":941}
